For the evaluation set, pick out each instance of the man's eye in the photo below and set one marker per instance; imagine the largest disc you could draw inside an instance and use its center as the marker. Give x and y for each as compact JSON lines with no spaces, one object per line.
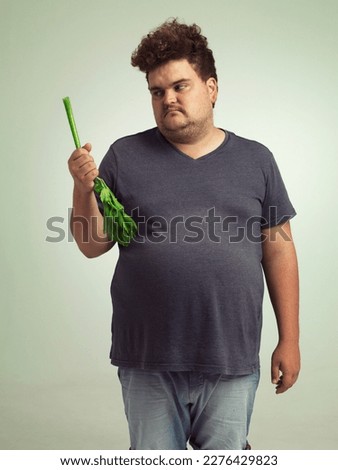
{"x":180,"y":87}
{"x":157,"y":93}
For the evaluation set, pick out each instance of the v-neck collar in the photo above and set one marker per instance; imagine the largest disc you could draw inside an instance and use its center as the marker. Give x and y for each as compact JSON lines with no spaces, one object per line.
{"x":207,"y":156}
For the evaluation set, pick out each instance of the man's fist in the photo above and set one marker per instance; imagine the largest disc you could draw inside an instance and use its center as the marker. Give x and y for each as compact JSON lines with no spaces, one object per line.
{"x":83,"y":168}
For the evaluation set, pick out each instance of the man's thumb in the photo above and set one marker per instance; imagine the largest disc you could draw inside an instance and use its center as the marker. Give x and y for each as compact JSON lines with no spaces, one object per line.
{"x":87,"y":146}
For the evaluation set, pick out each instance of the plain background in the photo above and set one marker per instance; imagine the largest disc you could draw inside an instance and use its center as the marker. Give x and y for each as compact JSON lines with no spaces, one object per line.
{"x":277,"y":63}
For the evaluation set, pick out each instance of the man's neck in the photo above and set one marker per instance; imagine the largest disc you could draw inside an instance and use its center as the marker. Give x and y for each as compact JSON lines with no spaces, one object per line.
{"x":203,"y":146}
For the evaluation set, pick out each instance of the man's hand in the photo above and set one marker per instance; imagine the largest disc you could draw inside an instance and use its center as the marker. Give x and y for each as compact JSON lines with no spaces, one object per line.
{"x":285,"y":366}
{"x":83,"y":169}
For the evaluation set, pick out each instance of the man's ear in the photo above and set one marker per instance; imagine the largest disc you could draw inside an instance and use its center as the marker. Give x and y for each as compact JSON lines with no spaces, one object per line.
{"x":213,"y":89}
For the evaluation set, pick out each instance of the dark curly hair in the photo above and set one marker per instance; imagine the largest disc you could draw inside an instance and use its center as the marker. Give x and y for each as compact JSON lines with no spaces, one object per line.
{"x":174,"y":41}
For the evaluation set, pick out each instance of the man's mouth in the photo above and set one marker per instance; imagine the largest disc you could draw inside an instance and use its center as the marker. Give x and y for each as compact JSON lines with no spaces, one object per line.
{"x":172,"y":110}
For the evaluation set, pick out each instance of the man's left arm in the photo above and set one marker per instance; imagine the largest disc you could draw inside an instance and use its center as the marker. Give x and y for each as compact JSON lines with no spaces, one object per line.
{"x":281,"y":273}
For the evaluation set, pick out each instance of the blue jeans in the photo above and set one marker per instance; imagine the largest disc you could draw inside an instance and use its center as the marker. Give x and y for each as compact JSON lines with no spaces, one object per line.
{"x":166,"y":410}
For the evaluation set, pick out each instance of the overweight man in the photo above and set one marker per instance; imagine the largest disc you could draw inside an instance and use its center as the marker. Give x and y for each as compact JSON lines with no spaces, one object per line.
{"x":213,"y":218}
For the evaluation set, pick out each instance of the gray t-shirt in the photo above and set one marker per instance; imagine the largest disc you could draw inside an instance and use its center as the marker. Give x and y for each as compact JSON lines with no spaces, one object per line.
{"x":187,"y":292}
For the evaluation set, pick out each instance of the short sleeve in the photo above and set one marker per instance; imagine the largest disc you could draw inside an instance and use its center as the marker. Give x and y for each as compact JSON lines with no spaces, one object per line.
{"x":108,"y":172}
{"x":277,"y":207}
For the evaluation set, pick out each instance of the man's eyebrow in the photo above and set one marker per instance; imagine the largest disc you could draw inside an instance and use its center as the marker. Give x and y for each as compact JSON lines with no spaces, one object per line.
{"x":172,"y":84}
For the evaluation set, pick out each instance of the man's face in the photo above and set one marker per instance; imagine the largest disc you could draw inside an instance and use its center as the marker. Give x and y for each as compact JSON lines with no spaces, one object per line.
{"x":182,"y":102}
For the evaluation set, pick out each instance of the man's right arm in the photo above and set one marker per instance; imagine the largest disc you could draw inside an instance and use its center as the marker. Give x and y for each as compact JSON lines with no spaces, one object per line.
{"x":86,"y":221}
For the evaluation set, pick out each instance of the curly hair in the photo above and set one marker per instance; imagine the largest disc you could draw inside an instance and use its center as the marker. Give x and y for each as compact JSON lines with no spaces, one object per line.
{"x":174,"y":41}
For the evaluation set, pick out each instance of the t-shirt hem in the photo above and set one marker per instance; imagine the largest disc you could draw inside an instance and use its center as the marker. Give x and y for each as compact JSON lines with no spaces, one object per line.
{"x":207,"y":368}
{"x":274,"y":222}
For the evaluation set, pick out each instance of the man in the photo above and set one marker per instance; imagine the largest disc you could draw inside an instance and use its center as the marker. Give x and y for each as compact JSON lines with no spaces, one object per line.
{"x":212,"y":211}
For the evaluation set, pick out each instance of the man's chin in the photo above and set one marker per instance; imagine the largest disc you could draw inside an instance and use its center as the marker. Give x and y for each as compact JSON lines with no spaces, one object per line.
{"x":179,"y":134}
{"x":173,"y":120}
{"x":174,"y":124}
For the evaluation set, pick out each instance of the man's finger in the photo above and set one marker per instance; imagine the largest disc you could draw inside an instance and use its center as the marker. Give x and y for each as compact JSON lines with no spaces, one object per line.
{"x":286,"y":382}
{"x":275,"y":373}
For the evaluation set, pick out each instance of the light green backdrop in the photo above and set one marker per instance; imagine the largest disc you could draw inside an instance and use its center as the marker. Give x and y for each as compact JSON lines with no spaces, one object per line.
{"x":277,"y":63}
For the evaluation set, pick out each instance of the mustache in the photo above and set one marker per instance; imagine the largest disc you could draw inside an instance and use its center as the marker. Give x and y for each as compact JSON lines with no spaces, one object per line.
{"x":169,"y":109}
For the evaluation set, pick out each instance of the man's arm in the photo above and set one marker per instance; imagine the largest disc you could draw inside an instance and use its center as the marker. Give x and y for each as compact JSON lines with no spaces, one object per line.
{"x":281,"y":273}
{"x":86,"y":220}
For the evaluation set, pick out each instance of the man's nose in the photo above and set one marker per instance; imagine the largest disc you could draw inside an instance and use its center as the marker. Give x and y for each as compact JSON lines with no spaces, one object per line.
{"x":169,"y":97}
